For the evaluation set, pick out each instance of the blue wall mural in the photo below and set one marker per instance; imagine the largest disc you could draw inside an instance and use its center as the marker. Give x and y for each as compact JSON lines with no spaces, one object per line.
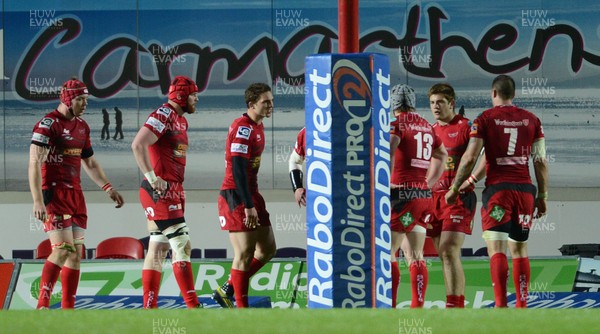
{"x":127,"y":51}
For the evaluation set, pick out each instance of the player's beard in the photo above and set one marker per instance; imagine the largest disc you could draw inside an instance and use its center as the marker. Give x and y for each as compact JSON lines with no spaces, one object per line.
{"x":189,"y":109}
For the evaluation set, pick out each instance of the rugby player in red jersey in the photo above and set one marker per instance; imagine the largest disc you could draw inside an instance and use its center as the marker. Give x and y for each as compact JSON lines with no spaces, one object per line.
{"x":242,"y":209}
{"x":59,"y":145}
{"x":417,"y":163}
{"x":510,"y":136}
{"x":160,"y":149}
{"x":450,"y":222}
{"x":295,"y":165}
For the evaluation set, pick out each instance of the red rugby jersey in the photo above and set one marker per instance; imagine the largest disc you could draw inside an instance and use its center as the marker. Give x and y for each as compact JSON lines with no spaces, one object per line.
{"x":68,"y":142}
{"x":509,"y":133}
{"x":245,"y":139}
{"x":455,"y":137}
{"x":417,"y":143}
{"x":168,"y":154}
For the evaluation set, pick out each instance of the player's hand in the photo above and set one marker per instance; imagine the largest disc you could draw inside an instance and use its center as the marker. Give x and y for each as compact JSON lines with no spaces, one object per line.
{"x":39,"y":211}
{"x":160,"y":185}
{"x":251,"y":220}
{"x":466,"y":186}
{"x":300,"y":195}
{"x":116,"y":197}
{"x":540,"y":208}
{"x":451,"y":196}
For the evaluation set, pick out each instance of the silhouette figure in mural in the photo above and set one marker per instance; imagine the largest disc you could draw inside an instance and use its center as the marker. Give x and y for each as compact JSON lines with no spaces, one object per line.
{"x":119,"y":121}
{"x":106,"y":121}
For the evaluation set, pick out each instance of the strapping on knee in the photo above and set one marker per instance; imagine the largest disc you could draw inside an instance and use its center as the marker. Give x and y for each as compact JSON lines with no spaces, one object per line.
{"x":79,"y":241}
{"x":65,"y":245}
{"x":178,"y":236}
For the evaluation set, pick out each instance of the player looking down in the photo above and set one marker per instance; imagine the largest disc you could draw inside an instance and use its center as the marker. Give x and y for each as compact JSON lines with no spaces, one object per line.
{"x":417,"y":163}
{"x":60,"y":145}
{"x":510,"y":136}
{"x":160,"y":149}
{"x":242,"y":209}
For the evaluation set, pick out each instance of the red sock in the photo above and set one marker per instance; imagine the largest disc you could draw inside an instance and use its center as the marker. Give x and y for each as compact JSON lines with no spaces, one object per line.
{"x":254,"y":268}
{"x":240,"y":280}
{"x":69,"y":279}
{"x":395,"y":282}
{"x":151,"y":285}
{"x":499,"y":272}
{"x":418,"y":281}
{"x":50,"y":274}
{"x":453,"y":301}
{"x":521,"y":276}
{"x":461,"y":301}
{"x":185,"y":280}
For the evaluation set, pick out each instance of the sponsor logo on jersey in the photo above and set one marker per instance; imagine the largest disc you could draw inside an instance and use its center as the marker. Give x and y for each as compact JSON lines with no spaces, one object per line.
{"x":67,"y":134}
{"x":421,"y":128}
{"x":157,"y":125}
{"x":72,"y":151}
{"x":255,"y":162}
{"x":243,"y":132}
{"x":40,"y":138}
{"x":46,"y":123}
{"x":174,"y":207}
{"x":473,"y":129}
{"x":164,"y":111}
{"x":258,"y":138}
{"x":180,"y":150}
{"x":419,"y":163}
{"x":502,"y":122}
{"x":222,"y":221}
{"x":456,"y":218}
{"x":453,"y":135}
{"x":239,"y":148}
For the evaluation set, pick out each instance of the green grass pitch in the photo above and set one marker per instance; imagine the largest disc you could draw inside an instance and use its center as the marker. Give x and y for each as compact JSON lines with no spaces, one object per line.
{"x":267,"y":321}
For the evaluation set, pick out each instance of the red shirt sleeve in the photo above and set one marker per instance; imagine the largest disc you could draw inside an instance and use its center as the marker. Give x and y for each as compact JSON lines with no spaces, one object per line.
{"x":240,"y":140}
{"x":159,"y":120}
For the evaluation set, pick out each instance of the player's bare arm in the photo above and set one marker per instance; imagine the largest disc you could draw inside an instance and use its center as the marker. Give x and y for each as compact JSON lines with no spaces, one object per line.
{"x":37,"y":155}
{"x":467,"y":162}
{"x":394,"y":142}
{"x":477,"y":175}
{"x":144,"y":139}
{"x":96,"y":173}
{"x":540,"y":166}
{"x":436,"y":165}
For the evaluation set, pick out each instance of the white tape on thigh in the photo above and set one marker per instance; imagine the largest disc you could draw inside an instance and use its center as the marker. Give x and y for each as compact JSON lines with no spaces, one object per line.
{"x":494,"y":236}
{"x":159,"y":238}
{"x":518,"y":242}
{"x":419,"y":229}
